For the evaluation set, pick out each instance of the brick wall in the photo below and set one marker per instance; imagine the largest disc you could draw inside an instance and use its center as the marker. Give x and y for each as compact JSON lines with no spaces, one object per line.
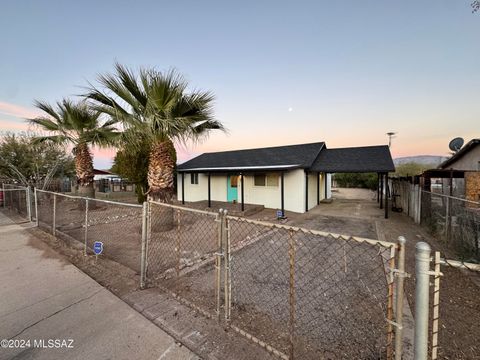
{"x":472,"y":185}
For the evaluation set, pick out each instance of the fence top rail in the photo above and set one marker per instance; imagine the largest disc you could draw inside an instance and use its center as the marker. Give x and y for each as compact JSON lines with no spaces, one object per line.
{"x":183,"y":208}
{"x":385,"y":244}
{"x":7,"y":190}
{"x":13,"y":187}
{"x":452,"y":197}
{"x":460,"y":264}
{"x":90,"y":199}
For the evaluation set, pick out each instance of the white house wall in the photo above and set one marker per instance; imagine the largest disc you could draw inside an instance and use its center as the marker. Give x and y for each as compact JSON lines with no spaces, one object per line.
{"x":312,"y":190}
{"x":198,"y":192}
{"x":269,"y":196}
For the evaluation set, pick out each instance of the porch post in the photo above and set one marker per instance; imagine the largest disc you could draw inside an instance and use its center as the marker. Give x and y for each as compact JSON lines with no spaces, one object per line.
{"x":318,"y":188}
{"x":381,"y":191}
{"x":183,"y":188}
{"x":243,"y":192}
{"x":209,"y":192}
{"x":326,"y":190}
{"x":378,"y":187}
{"x":282,"y":192}
{"x":386,"y":195}
{"x":306,"y":191}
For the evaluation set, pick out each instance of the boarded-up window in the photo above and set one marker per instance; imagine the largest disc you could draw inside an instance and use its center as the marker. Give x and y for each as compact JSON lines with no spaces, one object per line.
{"x":259,"y":180}
{"x":272,"y":179}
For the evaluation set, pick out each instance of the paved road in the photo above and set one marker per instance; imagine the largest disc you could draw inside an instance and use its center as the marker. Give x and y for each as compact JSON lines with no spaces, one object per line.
{"x":44,"y":298}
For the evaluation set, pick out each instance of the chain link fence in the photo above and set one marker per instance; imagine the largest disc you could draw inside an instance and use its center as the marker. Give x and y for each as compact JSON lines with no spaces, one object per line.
{"x":298,"y":293}
{"x":82,"y":222}
{"x":182,"y":251}
{"x":17,"y":199}
{"x":310,"y":294}
{"x":454,"y":221}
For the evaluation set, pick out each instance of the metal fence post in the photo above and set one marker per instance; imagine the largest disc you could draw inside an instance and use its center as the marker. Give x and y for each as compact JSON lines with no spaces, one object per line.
{"x":144,"y":246}
{"x":85,"y":246}
{"x":400,"y":277}
{"x":227,"y":280}
{"x":29,"y":204}
{"x":447,"y":220}
{"x":218,"y":261}
{"x":291,"y":297}
{"x":36,"y":207}
{"x":4,"y":195}
{"x":54,"y":215}
{"x":422,"y":274}
{"x":436,"y":303}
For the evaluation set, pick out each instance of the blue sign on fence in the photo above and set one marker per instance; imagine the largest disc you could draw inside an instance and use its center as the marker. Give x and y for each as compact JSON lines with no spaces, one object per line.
{"x":97,"y":247}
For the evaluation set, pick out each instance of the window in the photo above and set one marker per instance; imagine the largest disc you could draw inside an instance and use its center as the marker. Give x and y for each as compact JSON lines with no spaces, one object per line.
{"x":259,"y":180}
{"x":233,"y":181}
{"x":272,"y":180}
{"x":194,"y":179}
{"x":266,"y":180}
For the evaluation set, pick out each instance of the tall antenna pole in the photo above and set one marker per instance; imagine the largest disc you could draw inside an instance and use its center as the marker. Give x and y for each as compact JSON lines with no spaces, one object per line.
{"x":390,"y":135}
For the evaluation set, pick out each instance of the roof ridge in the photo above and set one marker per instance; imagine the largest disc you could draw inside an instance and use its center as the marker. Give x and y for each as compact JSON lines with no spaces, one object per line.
{"x":266,"y":147}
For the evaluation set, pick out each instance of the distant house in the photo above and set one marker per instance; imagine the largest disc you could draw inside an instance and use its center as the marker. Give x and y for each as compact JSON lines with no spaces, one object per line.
{"x":293,"y":177}
{"x":466,"y":159}
{"x":464,"y":171}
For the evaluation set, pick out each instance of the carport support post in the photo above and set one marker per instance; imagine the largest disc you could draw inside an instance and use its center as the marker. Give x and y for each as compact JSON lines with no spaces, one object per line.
{"x":183,"y":188}
{"x":318,"y":188}
{"x":282,"y":192}
{"x":386,"y":195}
{"x":243,"y":192}
{"x":209,"y":192}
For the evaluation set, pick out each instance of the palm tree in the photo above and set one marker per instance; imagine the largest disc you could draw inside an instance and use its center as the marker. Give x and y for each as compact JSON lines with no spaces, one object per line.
{"x":79,"y":125}
{"x":155,"y":108}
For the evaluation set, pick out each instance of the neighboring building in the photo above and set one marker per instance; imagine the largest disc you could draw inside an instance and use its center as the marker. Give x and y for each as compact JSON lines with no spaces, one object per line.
{"x":466,"y":159}
{"x":465,"y":163}
{"x":294,"y":177}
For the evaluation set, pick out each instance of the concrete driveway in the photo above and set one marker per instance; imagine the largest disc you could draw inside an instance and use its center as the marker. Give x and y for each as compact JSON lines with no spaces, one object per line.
{"x":51,"y":310}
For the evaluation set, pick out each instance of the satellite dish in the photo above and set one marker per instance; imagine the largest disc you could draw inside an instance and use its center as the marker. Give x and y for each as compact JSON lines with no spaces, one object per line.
{"x":456,"y":144}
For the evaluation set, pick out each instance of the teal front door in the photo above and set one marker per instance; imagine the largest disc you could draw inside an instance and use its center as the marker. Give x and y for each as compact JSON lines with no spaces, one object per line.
{"x":232,"y":183}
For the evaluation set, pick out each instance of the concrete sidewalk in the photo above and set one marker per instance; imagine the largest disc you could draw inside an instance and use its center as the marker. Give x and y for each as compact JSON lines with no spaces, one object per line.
{"x":45,"y":298}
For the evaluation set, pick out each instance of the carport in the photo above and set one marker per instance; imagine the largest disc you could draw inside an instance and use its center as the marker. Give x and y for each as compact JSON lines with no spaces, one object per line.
{"x":365,"y":159}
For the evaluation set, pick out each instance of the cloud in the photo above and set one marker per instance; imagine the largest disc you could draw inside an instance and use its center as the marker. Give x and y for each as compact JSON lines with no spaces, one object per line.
{"x":6,"y":125}
{"x":17,"y":111}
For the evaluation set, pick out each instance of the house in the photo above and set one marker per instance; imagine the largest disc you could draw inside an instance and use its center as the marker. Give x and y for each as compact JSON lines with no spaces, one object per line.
{"x":466,"y":159}
{"x":293,"y":177}
{"x":461,"y":172}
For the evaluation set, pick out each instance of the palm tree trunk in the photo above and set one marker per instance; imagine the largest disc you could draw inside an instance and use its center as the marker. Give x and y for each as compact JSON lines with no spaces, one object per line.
{"x":161,"y":167}
{"x":84,"y":170}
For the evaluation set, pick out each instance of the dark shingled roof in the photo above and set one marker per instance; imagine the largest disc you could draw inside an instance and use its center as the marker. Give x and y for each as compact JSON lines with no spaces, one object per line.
{"x":355,"y":159}
{"x":464,"y":150}
{"x":271,"y":158}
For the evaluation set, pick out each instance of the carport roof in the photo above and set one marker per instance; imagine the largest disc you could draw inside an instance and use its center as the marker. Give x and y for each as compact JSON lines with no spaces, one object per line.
{"x":354,"y":159}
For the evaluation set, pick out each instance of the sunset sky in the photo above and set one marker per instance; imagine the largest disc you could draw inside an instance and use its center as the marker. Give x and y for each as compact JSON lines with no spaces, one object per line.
{"x":283,"y":72}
